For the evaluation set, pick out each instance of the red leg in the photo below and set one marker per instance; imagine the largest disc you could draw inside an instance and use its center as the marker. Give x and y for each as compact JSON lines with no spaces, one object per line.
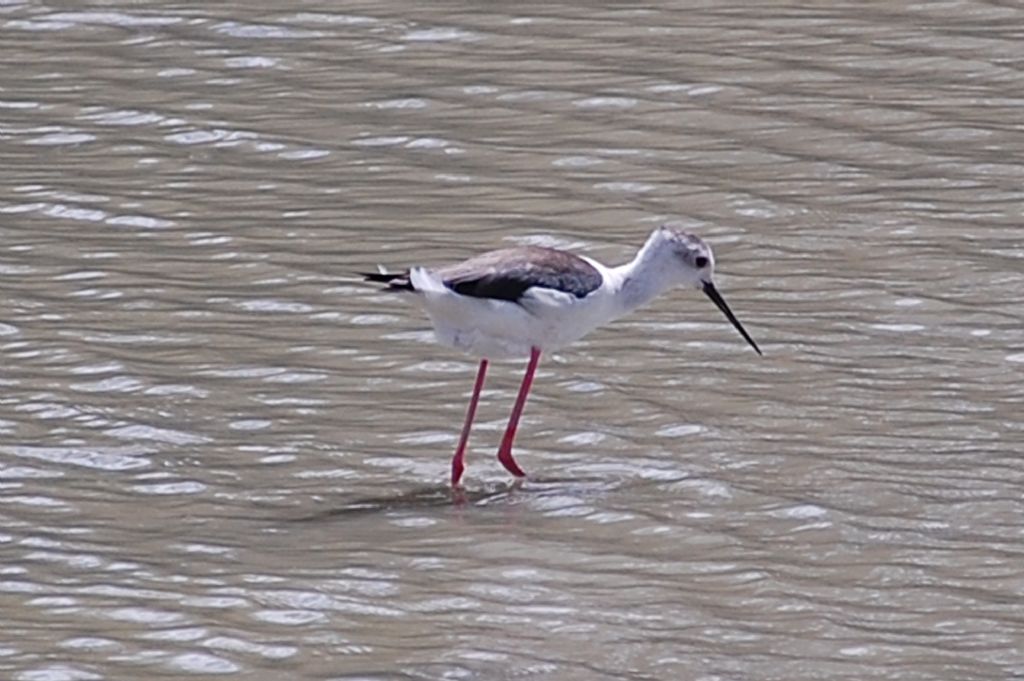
{"x":458,"y":461}
{"x":505,"y":452}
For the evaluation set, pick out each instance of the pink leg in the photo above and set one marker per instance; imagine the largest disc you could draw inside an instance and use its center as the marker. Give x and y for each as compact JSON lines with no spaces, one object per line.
{"x":459,"y":460}
{"x":505,"y":452}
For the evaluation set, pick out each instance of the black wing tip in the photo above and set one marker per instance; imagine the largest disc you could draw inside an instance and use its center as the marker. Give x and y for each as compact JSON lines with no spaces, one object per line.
{"x":396,"y":281}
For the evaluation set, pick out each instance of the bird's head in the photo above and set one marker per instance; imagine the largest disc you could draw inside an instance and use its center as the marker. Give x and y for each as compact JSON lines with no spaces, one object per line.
{"x":689,"y":262}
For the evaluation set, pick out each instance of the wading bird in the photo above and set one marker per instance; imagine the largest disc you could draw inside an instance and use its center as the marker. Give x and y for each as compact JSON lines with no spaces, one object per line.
{"x":523,"y":301}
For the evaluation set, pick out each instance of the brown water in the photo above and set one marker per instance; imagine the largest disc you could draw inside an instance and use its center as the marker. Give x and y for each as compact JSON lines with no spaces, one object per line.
{"x":221,"y":455}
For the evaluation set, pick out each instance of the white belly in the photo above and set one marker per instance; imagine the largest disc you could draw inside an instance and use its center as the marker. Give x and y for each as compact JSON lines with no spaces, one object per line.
{"x":544,"y":318}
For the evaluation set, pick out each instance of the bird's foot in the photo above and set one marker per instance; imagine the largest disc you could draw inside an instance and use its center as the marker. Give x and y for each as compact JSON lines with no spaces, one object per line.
{"x":459,"y":497}
{"x":506,"y":459}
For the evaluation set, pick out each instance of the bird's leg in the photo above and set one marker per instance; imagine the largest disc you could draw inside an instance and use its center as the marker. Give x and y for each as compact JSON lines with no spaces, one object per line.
{"x":458,"y":461}
{"x":505,"y":452}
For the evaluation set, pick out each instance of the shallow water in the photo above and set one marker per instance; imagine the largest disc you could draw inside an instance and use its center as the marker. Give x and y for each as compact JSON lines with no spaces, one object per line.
{"x":222,"y":454}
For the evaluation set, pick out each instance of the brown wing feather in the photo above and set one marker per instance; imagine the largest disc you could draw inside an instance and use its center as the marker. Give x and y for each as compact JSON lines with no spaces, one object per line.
{"x":507,"y":273}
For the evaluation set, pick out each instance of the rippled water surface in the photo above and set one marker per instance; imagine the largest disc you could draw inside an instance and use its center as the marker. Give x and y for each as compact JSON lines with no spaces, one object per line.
{"x":222,"y":454}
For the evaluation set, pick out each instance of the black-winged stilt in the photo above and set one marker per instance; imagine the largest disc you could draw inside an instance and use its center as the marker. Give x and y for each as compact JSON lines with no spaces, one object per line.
{"x":523,"y":301}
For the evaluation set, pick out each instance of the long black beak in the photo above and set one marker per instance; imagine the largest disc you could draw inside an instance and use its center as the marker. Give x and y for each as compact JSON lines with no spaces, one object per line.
{"x":718,"y":300}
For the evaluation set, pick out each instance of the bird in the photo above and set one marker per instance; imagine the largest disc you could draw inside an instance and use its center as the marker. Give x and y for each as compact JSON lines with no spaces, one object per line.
{"x":529,"y":300}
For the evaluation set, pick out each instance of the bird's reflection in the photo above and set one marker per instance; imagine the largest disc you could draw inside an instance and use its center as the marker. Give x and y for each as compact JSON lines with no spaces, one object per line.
{"x":441,"y":496}
{"x":418,"y":498}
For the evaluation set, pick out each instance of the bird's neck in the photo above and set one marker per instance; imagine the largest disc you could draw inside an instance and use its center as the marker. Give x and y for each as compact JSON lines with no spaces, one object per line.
{"x":642,"y":279}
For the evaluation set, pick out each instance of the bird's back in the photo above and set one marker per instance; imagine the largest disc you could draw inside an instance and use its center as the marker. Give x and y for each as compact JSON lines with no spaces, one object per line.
{"x":507,"y":273}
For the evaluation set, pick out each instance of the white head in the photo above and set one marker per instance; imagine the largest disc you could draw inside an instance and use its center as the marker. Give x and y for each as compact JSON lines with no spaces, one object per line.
{"x":682,"y":259}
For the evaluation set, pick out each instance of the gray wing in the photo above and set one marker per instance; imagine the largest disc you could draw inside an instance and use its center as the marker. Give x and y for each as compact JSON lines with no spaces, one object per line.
{"x":506,"y":274}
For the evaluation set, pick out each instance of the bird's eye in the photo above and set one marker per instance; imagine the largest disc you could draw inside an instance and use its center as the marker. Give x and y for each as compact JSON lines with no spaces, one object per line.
{"x":701,"y":262}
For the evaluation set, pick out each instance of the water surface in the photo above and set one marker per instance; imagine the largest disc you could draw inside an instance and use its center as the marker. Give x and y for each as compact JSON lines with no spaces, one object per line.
{"x":221,"y":454}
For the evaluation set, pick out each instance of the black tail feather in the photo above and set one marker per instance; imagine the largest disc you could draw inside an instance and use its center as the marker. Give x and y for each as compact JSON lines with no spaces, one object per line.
{"x":381,"y":277}
{"x":396,"y":281}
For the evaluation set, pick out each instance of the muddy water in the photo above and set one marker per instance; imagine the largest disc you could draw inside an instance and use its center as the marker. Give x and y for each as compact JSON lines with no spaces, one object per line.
{"x":222,"y":455}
